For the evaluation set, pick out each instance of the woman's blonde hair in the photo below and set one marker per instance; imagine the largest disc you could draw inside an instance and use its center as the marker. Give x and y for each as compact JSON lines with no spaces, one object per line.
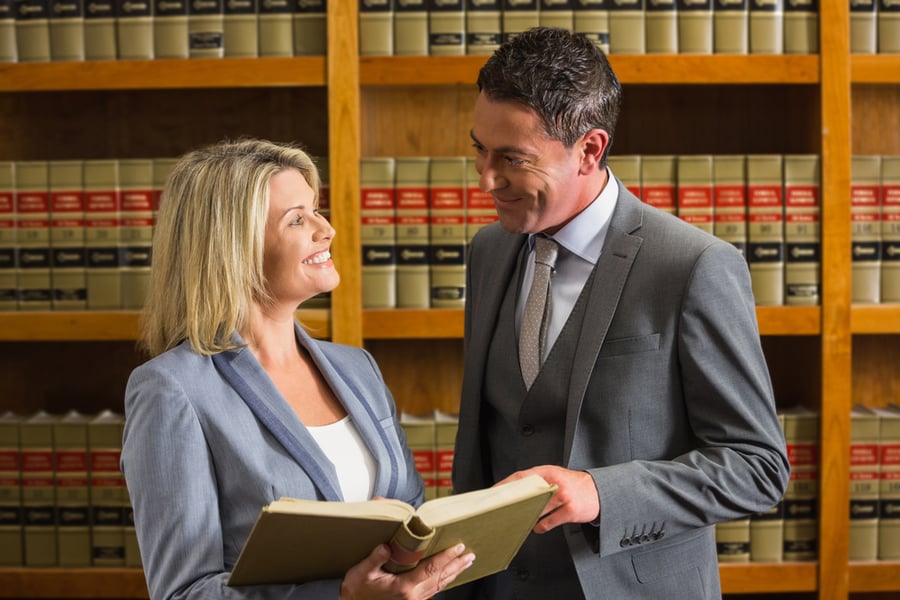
{"x":207,"y":265}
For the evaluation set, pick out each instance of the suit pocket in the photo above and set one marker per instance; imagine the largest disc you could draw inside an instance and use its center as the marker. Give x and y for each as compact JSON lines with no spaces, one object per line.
{"x":654,"y":564}
{"x":630,"y":345}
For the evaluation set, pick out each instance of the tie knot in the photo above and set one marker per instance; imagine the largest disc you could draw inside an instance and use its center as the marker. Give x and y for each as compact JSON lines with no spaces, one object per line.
{"x":545,"y":250}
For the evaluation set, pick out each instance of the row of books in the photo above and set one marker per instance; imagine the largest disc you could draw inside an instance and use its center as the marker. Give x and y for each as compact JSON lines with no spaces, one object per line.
{"x":431,"y":438}
{"x":53,"y":30}
{"x":874,"y":27}
{"x":453,"y":27}
{"x":63,"y":500}
{"x":875,"y":228}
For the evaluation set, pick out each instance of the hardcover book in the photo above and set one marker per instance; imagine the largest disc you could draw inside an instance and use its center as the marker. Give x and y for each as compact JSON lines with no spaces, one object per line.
{"x":420,"y":437}
{"x":8,"y":52}
{"x":240,"y":26}
{"x":890,"y":228}
{"x":9,"y":288}
{"x":445,"y":427}
{"x":864,"y":483}
{"x":519,"y":16}
{"x":865,"y":228}
{"x":33,"y":30}
{"x":302,"y":540}
{"x":658,"y":179}
{"x":276,"y":27}
{"x":378,"y":232}
{"x":206,"y":28}
{"x":170,"y":29}
{"x":626,"y":27}
{"x":376,"y":27}
{"x":767,"y":529}
{"x":695,"y":190}
{"x":480,"y":210}
{"x":765,"y":228}
{"x":101,"y":234}
{"x":627,"y":168}
{"x":730,"y":200}
{"x":33,"y":235}
{"x":863,"y":26}
{"x":889,"y":483}
{"x":557,"y":13}
{"x":38,"y":489}
{"x":731,"y":26}
{"x":413,"y":270}
{"x":888,"y":27}
{"x":733,"y":541}
{"x":484,"y":29}
{"x":10,"y":491}
{"x":802,"y":230}
{"x":801,"y":27}
{"x":67,"y":29}
{"x":136,"y":229}
{"x":801,"y":432}
{"x":411,"y":27}
{"x":109,"y":498}
{"x":767,"y":27}
{"x":591,"y":19}
{"x":447,"y":27}
{"x":100,"y":31}
{"x":661,"y":24}
{"x":695,"y":26}
{"x":68,"y":263}
{"x":72,"y":496}
{"x":310,"y":28}
{"x":447,"y":231}
{"x":134,"y":29}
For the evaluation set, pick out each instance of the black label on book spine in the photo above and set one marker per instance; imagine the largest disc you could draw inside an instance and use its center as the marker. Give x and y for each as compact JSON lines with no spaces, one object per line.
{"x":807,"y":252}
{"x":625,"y":5}
{"x":767,"y":6}
{"x":313,"y":7}
{"x":33,"y":10}
{"x":448,"y":255}
{"x":730,"y":5}
{"x":133,"y":9}
{"x":654,"y":6}
{"x":519,"y":5}
{"x":863,"y":6}
{"x":694,"y":5}
{"x":375,"y":6}
{"x":378,"y":256}
{"x":866,"y":251}
{"x":171,"y":8}
{"x":10,"y":515}
{"x":34,"y":258}
{"x":888,"y":6}
{"x":891,"y":252}
{"x":103,"y":257}
{"x":39,"y":515}
{"x":66,"y":9}
{"x":769,"y":252}
{"x":863,"y":509}
{"x":412,"y":255}
{"x":274,"y":7}
{"x":6,"y":10}
{"x":100,"y":9}
{"x":69,"y":257}
{"x":802,"y":6}
{"x":889,"y":509}
{"x":136,"y":256}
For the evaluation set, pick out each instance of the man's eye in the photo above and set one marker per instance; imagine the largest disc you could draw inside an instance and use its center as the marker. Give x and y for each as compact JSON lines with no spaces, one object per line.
{"x":515,"y":162}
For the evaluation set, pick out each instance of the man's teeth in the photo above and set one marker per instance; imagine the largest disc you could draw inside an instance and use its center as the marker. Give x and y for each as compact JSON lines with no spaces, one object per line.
{"x":318,"y":258}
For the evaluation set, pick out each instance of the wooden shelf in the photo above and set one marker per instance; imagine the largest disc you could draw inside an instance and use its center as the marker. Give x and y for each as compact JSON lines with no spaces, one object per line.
{"x":881,"y":576}
{"x":875,"y":318}
{"x":875,"y":68}
{"x":789,"y":320}
{"x":768,"y":577}
{"x":92,"y":582}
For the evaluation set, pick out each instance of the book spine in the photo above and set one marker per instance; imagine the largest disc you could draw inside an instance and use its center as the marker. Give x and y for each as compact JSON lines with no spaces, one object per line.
{"x":72,"y":497}
{"x":109,"y":499}
{"x":801,"y":26}
{"x":731,"y":26}
{"x":66,"y":30}
{"x":733,"y":541}
{"x":890,"y":229}
{"x":411,"y":27}
{"x":484,"y":30}
{"x":100,"y":31}
{"x":170,"y":29}
{"x":129,"y":533}
{"x":378,"y":232}
{"x":376,"y":27}
{"x":310,"y":26}
{"x":413,"y":272}
{"x":206,"y":28}
{"x":730,"y":200}
{"x":446,"y":427}
{"x":591,"y":19}
{"x":864,"y":484}
{"x":765,"y":231}
{"x":136,"y":229}
{"x":800,"y":498}
{"x":627,"y":34}
{"x":556,"y":13}
{"x":240,"y":28}
{"x":888,"y":27}
{"x":480,"y":210}
{"x":695,"y":191}
{"x":447,"y":231}
{"x":889,"y":488}
{"x":658,"y":178}
{"x":8,"y":52}
{"x":661,"y":23}
{"x":101,"y":234}
{"x":767,"y":27}
{"x":447,"y":27}
{"x":134,"y":29}
{"x":33,"y":235}
{"x":33,"y":30}
{"x":420,"y":437}
{"x":863,"y":26}
{"x":627,"y":168}
{"x":695,"y":26}
{"x":518,"y":16}
{"x":67,"y":249}
{"x":9,"y":289}
{"x":38,"y":491}
{"x":767,"y":535}
{"x":10,"y":492}
{"x":802,"y":230}
{"x":276,"y":28}
{"x":865,"y":228}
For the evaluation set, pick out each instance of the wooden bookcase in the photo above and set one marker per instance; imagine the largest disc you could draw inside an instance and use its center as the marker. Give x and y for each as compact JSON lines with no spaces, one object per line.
{"x":346,"y":107}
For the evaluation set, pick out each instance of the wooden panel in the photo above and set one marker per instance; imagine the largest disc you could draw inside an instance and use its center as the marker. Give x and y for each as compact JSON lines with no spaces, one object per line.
{"x":876,"y":119}
{"x":875,"y":68}
{"x":410,"y":324}
{"x":875,"y":360}
{"x":875,"y":318}
{"x":72,"y":583}
{"x":768,"y":577}
{"x":881,"y":576}
{"x":423,"y":375}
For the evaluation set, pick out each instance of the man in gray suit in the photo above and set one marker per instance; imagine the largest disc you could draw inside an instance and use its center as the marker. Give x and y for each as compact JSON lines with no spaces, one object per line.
{"x":651,"y":405}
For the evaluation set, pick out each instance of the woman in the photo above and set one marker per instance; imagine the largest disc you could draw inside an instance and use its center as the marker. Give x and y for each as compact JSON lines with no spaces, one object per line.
{"x":239,"y":406}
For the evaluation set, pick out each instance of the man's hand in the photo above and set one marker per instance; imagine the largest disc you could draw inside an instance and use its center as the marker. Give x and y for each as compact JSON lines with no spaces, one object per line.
{"x":576,"y":500}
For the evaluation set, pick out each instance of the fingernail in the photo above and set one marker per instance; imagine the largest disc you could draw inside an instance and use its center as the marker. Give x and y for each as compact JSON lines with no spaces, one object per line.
{"x":460,"y":548}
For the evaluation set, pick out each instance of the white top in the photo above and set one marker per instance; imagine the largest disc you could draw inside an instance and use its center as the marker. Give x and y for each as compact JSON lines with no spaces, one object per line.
{"x":354,"y":463}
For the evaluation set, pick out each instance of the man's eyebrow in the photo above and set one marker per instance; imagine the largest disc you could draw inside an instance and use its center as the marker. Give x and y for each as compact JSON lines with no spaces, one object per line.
{"x":503,"y":149}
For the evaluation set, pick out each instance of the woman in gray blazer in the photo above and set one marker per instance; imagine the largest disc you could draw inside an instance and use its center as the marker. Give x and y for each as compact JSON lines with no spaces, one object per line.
{"x":239,"y":406}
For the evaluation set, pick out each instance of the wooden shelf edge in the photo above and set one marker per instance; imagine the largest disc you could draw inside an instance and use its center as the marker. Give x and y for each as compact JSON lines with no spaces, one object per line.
{"x":875,"y":68}
{"x":88,"y":582}
{"x":875,"y":318}
{"x":752,"y":578}
{"x":877,"y":576}
{"x":789,"y":320}
{"x":399,"y":323}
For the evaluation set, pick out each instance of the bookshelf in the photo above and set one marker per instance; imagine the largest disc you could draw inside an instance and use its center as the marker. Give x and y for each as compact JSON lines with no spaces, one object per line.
{"x":346,"y":107}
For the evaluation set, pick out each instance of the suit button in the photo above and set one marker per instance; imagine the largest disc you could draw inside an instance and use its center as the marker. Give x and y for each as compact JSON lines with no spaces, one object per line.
{"x":624,"y":543}
{"x":528,"y":430}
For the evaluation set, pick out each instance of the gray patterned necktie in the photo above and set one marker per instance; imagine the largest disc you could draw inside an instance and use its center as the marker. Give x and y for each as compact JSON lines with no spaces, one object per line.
{"x":533,"y":330}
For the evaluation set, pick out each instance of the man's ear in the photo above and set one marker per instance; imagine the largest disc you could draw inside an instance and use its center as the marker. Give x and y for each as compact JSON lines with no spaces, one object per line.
{"x":593,"y":145}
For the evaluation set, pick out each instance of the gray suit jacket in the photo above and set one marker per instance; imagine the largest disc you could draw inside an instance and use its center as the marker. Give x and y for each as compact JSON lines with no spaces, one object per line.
{"x":670,"y":407}
{"x":209,"y":441}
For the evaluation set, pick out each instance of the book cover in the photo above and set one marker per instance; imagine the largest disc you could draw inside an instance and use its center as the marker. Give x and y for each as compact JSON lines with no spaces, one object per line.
{"x":411,"y":27}
{"x":38,"y":490}
{"x":162,"y":167}
{"x":557,"y":13}
{"x":890,"y":228}
{"x":8,"y":52}
{"x":413,"y":270}
{"x":302,"y":540}
{"x":240,"y":28}
{"x":518,"y":16}
{"x":591,"y":19}
{"x":33,"y":235}
{"x":695,"y":190}
{"x":658,"y":178}
{"x":447,"y":27}
{"x":68,"y":263}
{"x":170,"y":28}
{"x":766,"y":26}
{"x":730,"y":199}
{"x":72,"y":497}
{"x":134,"y":29}
{"x":108,"y":496}
{"x":132,"y":549}
{"x":889,"y":483}
{"x":446,"y":425}
{"x":801,"y":431}
{"x":376,"y":27}
{"x":206,"y":28}
{"x":310,"y":28}
{"x":626,"y":27}
{"x":801,"y":27}
{"x":136,"y":229}
{"x":627,"y":167}
{"x":101,"y":234}
{"x":484,"y":28}
{"x":100,"y":31}
{"x":864,"y":483}
{"x":865,"y":228}
{"x":480,"y":210}
{"x":661,"y":25}
{"x":731,"y":26}
{"x":863,"y":26}
{"x":733,"y":541}
{"x":802,"y":230}
{"x":9,"y":288}
{"x":276,"y":28}
{"x":888,"y":27}
{"x":695,"y":26}
{"x":33,"y":30}
{"x":10,"y":491}
{"x":767,"y":529}
{"x":765,"y":228}
{"x":66,"y":29}
{"x":447,"y":231}
{"x":420,"y":437}
{"x":378,"y":232}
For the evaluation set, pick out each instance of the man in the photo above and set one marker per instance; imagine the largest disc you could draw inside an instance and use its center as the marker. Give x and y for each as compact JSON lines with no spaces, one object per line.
{"x":653,"y":410}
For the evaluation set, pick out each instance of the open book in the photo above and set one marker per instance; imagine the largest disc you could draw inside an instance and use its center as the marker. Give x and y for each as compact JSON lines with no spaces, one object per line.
{"x":294,"y":541}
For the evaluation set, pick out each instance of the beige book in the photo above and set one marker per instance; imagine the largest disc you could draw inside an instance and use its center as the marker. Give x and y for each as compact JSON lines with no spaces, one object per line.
{"x":447,"y":231}
{"x":802,"y":230}
{"x":627,"y":168}
{"x":864,"y":483}
{"x":863,"y":26}
{"x":32,"y":30}
{"x":801,"y":27}
{"x":627,"y":33}
{"x":446,"y":426}
{"x":302,"y":540}
{"x":38,"y":490}
{"x":162,"y":168}
{"x":276,"y":28}
{"x":109,"y":498}
{"x":661,"y":24}
{"x":557,"y":13}
{"x":33,"y":235}
{"x":72,"y":495}
{"x":731,"y":26}
{"x":378,"y":232}
{"x":480,"y":209}
{"x":888,"y":27}
{"x":767,"y":27}
{"x":890,"y":228}
{"x":591,"y":19}
{"x":447,"y":27}
{"x":658,"y":178}
{"x":695,"y":190}
{"x":101,"y":234}
{"x":206,"y":28}
{"x":67,"y":29}
{"x":765,"y":228}
{"x":865,"y":228}
{"x":767,"y":530}
{"x":8,"y":52}
{"x":376,"y":27}
{"x":310,"y":28}
{"x":411,"y":27}
{"x":733,"y":541}
{"x":68,"y":264}
{"x":519,"y":16}
{"x":136,"y":229}
{"x":240,"y":26}
{"x":10,"y":491}
{"x":420,"y":437}
{"x":695,"y":26}
{"x":730,"y":199}
{"x":100,"y":31}
{"x":9,"y":288}
{"x":413,"y":272}
{"x":134,"y":29}
{"x":801,"y":432}
{"x":889,"y":483}
{"x":170,"y":29}
{"x":132,"y":549}
{"x":484,"y":26}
